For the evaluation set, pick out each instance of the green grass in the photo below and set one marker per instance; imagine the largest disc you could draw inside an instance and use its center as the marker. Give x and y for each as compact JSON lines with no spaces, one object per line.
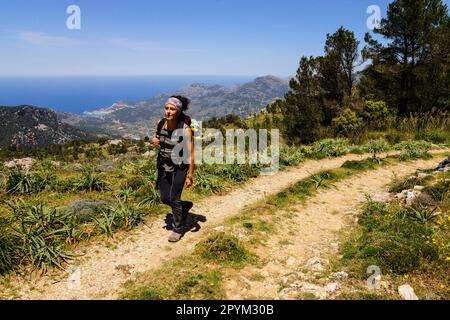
{"x":224,"y":249}
{"x":198,"y":276}
{"x":404,"y":241}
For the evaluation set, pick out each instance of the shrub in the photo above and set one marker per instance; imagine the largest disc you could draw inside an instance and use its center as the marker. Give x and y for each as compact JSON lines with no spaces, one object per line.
{"x":375,"y":113}
{"x":202,"y":286}
{"x":222,"y":248}
{"x":437,"y":136}
{"x":291,"y":156}
{"x":376,"y":146}
{"x":43,"y":232}
{"x":91,"y":181}
{"x":413,"y":150}
{"x":329,"y":148}
{"x":134,"y":183}
{"x":206,"y":182}
{"x":85,"y":210}
{"x":20,"y":181}
{"x":121,"y":215}
{"x":347,"y":123}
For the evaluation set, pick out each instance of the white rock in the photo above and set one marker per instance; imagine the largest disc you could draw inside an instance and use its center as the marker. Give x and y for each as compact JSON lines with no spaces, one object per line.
{"x":411,"y":196}
{"x":407,"y":292}
{"x":315,"y":264}
{"x":382,"y":197}
{"x":400,"y":196}
{"x":422,"y":175}
{"x":339,"y":275}
{"x":419,"y":188}
{"x":332,"y":287}
{"x":290,"y":261}
{"x":316,"y":290}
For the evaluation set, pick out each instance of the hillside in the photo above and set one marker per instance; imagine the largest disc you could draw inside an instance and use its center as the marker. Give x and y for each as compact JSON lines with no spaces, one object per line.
{"x":208,"y":101}
{"x":27,"y":126}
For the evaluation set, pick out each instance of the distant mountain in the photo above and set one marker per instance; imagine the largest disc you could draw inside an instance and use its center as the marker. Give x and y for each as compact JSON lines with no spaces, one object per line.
{"x":208,"y":101}
{"x":27,"y":126}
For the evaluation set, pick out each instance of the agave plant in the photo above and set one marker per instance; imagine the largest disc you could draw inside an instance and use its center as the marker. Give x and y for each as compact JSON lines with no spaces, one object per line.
{"x":128,"y":215}
{"x":149,"y":194}
{"x":9,"y":244}
{"x":205,"y":182}
{"x":375,"y":147}
{"x":43,"y":232}
{"x":125,"y":193}
{"x":21,"y":181}
{"x":91,"y":181}
{"x":106,"y":221}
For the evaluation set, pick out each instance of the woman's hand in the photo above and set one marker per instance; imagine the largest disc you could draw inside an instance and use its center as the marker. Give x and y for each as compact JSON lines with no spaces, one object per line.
{"x":189,"y":182}
{"x":155,"y":142}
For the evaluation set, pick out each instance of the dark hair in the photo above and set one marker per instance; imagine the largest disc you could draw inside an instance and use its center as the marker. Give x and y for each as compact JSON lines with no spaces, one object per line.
{"x":185,"y":101}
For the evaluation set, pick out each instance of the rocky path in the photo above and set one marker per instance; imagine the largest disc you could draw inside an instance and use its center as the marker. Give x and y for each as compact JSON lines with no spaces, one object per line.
{"x":101,"y":272}
{"x":296,"y":256}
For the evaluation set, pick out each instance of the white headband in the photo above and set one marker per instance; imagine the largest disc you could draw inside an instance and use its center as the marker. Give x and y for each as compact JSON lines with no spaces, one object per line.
{"x":176,"y":102}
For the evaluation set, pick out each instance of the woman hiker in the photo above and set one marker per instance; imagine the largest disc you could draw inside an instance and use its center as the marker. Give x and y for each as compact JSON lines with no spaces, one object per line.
{"x":175,"y":171}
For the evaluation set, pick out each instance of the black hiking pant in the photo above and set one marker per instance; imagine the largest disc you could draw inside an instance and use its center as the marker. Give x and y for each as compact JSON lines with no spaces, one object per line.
{"x":171,"y":186}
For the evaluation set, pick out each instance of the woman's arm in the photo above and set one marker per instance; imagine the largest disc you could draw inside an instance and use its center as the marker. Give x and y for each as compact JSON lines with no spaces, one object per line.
{"x":191,"y":170}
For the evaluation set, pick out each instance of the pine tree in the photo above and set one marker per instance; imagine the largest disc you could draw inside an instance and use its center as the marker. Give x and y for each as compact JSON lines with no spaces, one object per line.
{"x":411,"y":70}
{"x":302,"y":106}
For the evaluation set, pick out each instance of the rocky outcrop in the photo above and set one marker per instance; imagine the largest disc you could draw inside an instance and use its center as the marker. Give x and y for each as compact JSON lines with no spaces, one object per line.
{"x":27,"y":126}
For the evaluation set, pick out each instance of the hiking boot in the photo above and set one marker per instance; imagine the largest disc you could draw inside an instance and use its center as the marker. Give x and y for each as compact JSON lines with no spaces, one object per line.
{"x":175,"y":237}
{"x":187,"y":206}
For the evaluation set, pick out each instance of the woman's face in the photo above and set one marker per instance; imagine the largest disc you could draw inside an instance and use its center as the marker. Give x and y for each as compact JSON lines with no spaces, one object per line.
{"x":171,"y":112}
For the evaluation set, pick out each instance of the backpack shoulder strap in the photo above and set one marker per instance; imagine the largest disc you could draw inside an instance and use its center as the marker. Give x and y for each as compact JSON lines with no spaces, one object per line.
{"x":161,"y":124}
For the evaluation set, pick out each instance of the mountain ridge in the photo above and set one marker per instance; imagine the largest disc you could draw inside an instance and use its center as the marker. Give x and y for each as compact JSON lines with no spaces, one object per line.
{"x":27,"y":126}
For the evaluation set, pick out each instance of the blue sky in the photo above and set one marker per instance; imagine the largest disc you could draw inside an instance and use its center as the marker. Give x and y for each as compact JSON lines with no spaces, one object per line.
{"x":197,"y":37}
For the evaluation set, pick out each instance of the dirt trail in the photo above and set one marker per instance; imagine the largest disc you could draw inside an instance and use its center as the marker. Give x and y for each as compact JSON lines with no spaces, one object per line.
{"x":103,"y":270}
{"x":312,"y":233}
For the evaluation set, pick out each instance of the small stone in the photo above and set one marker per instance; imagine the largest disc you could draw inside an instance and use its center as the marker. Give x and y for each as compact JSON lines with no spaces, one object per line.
{"x":411,"y":196}
{"x":290,"y":261}
{"x":382,"y":197}
{"x":400,"y":196}
{"x":332,"y":287}
{"x":314,"y":264}
{"x":407,"y":292}
{"x":287,"y":294}
{"x":301,"y":275}
{"x":422,"y":175}
{"x":419,"y":188}
{"x":307,"y":287}
{"x":339,"y":275}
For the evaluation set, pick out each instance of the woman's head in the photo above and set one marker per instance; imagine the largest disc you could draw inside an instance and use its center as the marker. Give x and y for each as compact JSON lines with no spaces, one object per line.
{"x":175,"y":106}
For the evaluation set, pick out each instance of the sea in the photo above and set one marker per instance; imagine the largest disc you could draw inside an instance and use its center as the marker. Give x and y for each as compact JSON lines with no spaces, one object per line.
{"x":79,"y":94}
